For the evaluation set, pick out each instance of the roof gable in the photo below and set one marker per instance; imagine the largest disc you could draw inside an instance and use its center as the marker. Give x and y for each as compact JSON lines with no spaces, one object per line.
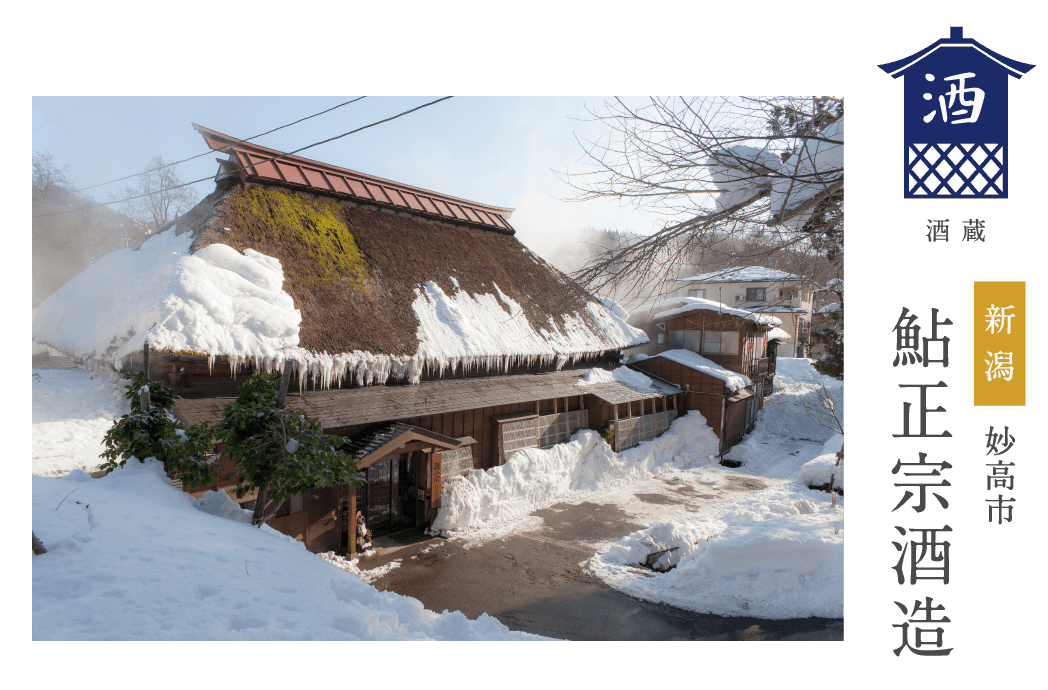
{"x":956,"y":40}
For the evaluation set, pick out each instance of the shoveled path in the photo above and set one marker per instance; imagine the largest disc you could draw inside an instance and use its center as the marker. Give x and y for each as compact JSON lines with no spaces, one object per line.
{"x":533,"y":579}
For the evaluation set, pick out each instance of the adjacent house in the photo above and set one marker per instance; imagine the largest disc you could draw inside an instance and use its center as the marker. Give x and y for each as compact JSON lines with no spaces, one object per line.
{"x":418,"y":326}
{"x":723,"y":357}
{"x":763,"y":290}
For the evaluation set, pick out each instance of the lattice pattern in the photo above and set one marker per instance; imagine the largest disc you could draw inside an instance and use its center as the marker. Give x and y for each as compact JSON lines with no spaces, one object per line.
{"x":541,"y":432}
{"x":955,"y":170}
{"x":631,"y":432}
{"x":456,"y":462}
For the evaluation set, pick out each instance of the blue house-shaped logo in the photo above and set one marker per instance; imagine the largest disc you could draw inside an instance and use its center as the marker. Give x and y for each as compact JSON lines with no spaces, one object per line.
{"x":956,"y":118}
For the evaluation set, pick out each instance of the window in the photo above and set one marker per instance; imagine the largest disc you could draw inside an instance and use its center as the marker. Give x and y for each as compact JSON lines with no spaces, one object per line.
{"x":721,"y":343}
{"x":676,"y":340}
{"x":692,"y":340}
{"x":755,"y":294}
{"x":697,"y":293}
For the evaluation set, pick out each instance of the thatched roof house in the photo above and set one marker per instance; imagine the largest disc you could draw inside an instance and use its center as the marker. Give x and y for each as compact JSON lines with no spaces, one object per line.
{"x":357,"y":279}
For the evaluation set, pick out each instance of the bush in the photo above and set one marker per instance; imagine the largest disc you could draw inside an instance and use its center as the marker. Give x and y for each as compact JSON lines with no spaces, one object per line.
{"x":279,"y":451}
{"x":186,"y":452}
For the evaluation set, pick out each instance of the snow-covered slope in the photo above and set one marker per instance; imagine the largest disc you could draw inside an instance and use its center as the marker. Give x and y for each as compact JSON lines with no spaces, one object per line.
{"x":131,"y":558}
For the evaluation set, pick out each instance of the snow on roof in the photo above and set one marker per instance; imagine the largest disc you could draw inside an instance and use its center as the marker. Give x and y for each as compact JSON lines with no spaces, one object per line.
{"x":220,"y":302}
{"x":743,"y":173}
{"x":778,"y":334}
{"x":777,"y":309}
{"x":746,"y":274}
{"x":698,"y":303}
{"x":624,"y":385}
{"x":836,"y":306}
{"x":693,"y":360}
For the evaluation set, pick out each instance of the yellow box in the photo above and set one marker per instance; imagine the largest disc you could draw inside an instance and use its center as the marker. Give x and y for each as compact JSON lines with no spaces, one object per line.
{"x":1000,"y":344}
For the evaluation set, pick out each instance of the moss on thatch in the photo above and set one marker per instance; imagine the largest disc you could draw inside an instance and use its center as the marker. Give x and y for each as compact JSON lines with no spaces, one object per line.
{"x":353,"y":269}
{"x":311,"y":229}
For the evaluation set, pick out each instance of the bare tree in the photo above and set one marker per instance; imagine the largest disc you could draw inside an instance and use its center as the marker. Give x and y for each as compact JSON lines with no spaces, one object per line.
{"x":158,"y":198}
{"x":48,"y":178}
{"x":737,"y":179}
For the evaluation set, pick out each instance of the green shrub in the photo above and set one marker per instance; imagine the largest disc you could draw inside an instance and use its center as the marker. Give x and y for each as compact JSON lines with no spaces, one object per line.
{"x":186,"y":452}
{"x":279,"y":451}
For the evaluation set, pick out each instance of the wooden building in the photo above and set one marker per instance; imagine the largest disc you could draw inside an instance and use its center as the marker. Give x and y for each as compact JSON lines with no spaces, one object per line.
{"x":430,"y":337}
{"x":738,"y":340}
{"x":730,"y":405}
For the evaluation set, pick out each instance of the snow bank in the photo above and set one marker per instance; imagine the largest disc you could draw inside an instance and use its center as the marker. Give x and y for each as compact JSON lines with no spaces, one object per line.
{"x":817,"y":472}
{"x":534,"y":478}
{"x":693,"y":360}
{"x":131,"y":558}
{"x":776,"y":554}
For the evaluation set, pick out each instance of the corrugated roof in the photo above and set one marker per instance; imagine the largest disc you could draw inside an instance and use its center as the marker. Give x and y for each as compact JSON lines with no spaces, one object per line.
{"x":256,"y":163}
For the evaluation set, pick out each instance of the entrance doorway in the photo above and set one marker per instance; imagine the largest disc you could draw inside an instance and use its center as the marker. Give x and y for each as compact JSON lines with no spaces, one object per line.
{"x":387,"y":497}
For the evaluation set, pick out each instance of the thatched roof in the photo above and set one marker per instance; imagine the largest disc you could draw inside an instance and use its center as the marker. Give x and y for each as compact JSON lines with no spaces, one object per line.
{"x":383,"y":288}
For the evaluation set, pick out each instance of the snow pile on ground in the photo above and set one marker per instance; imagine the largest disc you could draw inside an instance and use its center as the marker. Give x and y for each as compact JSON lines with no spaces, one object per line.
{"x":818,"y":471}
{"x":693,"y":360}
{"x":72,"y":411}
{"x":797,"y":411}
{"x":350,"y":566}
{"x":534,"y":478}
{"x":624,"y":375}
{"x":776,"y":554}
{"x":131,"y":558}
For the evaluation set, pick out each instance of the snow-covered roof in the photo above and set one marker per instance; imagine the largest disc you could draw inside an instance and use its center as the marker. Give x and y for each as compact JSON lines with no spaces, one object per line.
{"x":687,"y":304}
{"x":746,"y":274}
{"x":693,"y":360}
{"x":344,"y":290}
{"x":835,"y":306}
{"x":624,"y":385}
{"x":778,"y":334}
{"x":778,"y":309}
{"x":794,"y":186}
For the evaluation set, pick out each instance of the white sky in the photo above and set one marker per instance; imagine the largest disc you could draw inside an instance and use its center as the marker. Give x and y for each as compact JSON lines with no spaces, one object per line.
{"x":501,"y":151}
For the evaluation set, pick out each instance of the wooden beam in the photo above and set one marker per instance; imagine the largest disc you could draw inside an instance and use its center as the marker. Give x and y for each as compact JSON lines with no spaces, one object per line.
{"x":285,"y":378}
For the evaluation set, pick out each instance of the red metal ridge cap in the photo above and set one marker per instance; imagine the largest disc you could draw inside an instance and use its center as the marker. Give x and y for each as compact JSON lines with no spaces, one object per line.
{"x":251,"y":161}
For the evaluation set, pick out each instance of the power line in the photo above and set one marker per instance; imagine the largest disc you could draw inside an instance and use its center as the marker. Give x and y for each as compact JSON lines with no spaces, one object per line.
{"x":283,"y":155}
{"x":63,"y":113}
{"x":205,"y":153}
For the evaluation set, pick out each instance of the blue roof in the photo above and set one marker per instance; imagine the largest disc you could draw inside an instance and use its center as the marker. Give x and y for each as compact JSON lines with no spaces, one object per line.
{"x":956,"y":40}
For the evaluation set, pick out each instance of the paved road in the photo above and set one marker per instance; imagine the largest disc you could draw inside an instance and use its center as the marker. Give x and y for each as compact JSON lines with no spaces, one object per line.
{"x":533,"y":579}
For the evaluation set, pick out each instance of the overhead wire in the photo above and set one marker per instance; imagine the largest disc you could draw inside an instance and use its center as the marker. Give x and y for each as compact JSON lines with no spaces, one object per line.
{"x":63,"y":113}
{"x":205,"y":153}
{"x":266,"y":160}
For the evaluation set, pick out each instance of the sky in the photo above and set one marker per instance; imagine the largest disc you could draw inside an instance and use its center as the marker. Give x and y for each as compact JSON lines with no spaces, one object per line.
{"x":509,"y":152}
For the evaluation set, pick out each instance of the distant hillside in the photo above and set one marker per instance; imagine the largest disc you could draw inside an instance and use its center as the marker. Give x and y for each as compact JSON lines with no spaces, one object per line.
{"x":66,"y":244}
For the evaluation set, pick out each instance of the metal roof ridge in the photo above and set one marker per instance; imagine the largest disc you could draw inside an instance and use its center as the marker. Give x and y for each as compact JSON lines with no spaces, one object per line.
{"x":228,"y":144}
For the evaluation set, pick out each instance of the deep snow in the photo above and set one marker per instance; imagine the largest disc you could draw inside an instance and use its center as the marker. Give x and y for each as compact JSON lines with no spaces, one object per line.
{"x":773,"y":553}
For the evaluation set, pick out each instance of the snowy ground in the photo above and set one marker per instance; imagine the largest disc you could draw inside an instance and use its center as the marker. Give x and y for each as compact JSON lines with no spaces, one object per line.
{"x":72,"y":410}
{"x":131,"y":558}
{"x":774,"y":551}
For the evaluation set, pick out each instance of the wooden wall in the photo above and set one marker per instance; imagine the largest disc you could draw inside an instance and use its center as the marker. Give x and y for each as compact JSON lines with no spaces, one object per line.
{"x":705,"y":393}
{"x":478,"y":423}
